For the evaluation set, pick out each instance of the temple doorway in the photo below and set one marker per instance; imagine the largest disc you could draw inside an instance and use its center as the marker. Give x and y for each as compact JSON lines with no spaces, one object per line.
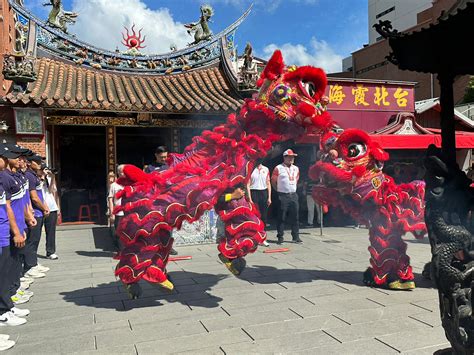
{"x":136,"y":145}
{"x":80,"y":158}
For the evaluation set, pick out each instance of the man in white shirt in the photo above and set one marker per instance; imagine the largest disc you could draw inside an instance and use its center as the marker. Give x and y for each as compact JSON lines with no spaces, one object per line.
{"x":285,"y":181}
{"x":114,"y":188}
{"x":259,"y":191}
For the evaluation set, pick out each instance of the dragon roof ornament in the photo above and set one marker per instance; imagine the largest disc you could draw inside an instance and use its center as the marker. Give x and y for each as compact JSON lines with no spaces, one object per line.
{"x":58,"y":43}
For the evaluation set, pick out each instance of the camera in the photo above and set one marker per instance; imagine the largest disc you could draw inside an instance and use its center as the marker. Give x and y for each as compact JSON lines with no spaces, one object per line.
{"x":52,"y":170}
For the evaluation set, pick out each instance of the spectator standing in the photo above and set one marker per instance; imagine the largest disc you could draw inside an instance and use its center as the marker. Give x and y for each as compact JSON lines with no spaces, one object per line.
{"x":51,"y":199}
{"x":113,"y":201}
{"x":259,"y":192}
{"x":30,"y":253}
{"x":285,"y":181}
{"x":311,"y":204}
{"x":9,"y":314}
{"x":160,"y":164}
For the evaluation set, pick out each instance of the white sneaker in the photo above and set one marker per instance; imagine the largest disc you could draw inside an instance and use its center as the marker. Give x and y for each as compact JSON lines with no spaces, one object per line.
{"x":35,"y":274}
{"x":53,"y":257}
{"x":41,"y":268}
{"x":24,"y":286}
{"x":20,"y":312}
{"x":4,"y":337}
{"x":265,"y":243}
{"x":6,"y":344}
{"x":28,"y":280}
{"x":25,"y":293}
{"x":17,"y":299}
{"x":9,"y":318}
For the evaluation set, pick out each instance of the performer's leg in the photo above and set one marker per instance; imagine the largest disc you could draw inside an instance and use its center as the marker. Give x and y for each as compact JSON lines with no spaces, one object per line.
{"x":146,"y":258}
{"x":390,"y":265}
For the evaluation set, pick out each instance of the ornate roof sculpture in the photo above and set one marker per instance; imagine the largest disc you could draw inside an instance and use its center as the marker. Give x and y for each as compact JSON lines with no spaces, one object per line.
{"x":133,"y":41}
{"x":201,"y":28}
{"x":50,"y":41}
{"x":59,"y":18}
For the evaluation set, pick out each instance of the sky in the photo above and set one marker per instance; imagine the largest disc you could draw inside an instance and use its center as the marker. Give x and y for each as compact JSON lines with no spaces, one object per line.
{"x":315,"y":32}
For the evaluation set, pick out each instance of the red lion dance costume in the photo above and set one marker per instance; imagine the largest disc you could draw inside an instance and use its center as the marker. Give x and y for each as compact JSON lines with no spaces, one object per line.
{"x":350,"y":176}
{"x":287,"y":105}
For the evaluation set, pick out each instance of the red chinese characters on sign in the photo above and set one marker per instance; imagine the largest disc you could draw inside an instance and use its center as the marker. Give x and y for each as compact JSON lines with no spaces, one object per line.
{"x":347,"y":95}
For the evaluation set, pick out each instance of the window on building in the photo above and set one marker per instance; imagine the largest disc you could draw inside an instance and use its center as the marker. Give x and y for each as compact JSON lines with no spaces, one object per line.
{"x":385,"y":12}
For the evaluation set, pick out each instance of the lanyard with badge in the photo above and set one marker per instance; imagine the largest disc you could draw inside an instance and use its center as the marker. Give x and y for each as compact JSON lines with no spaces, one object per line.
{"x":291,"y":176}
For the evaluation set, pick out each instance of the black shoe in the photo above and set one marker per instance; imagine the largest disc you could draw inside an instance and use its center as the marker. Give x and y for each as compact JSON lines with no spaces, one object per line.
{"x":280,"y":241}
{"x":173,"y":252}
{"x":299,"y":241}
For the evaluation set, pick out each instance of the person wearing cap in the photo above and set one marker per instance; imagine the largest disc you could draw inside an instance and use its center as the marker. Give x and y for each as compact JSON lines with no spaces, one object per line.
{"x":9,"y":314}
{"x":30,"y":257}
{"x":285,"y":181}
{"x":14,"y":189}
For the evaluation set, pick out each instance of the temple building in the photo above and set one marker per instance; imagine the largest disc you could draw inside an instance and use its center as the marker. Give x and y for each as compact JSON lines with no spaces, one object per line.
{"x":88,"y":109}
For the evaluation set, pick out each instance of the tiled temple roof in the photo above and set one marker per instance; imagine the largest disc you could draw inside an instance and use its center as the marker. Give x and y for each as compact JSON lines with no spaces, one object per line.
{"x":66,"y":86}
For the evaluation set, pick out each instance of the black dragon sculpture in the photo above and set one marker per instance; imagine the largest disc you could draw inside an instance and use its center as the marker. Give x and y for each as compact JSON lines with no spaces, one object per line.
{"x":449,"y":200}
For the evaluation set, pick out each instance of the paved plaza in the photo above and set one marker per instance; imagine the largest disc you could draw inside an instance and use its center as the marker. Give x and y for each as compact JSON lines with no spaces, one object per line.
{"x":309,"y":300}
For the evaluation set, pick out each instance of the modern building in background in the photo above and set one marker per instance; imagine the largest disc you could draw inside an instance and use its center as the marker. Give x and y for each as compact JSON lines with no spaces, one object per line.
{"x":401,"y":13}
{"x":370,"y":62}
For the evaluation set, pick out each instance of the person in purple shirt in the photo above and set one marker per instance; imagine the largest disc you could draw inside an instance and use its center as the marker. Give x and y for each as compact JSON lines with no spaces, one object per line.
{"x":33,"y":235}
{"x":9,"y":190}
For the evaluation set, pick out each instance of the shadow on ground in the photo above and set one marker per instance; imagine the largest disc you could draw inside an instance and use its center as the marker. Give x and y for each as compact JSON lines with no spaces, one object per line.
{"x":112,"y":295}
{"x":103,"y":239}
